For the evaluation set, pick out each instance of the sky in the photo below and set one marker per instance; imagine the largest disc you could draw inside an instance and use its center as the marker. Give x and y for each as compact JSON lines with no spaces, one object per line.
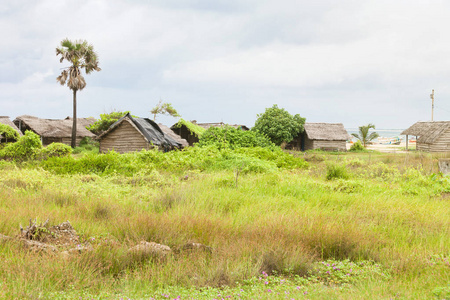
{"x":350,"y":61}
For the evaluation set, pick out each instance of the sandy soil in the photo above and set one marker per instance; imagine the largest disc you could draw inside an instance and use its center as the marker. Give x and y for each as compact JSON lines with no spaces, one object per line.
{"x":385,"y":148}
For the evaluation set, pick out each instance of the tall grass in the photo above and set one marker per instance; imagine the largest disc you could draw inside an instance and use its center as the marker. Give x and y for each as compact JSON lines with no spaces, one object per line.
{"x":280,"y":221}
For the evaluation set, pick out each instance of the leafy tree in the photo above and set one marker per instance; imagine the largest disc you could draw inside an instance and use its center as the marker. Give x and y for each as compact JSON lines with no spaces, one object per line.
{"x":105,"y":121}
{"x":279,"y":125}
{"x":364,"y":135}
{"x":164,"y":108}
{"x":80,"y":55}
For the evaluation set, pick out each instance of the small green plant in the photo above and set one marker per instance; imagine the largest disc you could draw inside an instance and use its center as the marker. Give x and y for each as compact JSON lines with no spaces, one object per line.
{"x":336,"y":171}
{"x":357,"y":147}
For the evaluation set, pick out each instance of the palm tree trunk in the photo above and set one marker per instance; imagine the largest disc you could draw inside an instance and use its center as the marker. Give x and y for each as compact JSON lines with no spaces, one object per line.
{"x":73,"y":143}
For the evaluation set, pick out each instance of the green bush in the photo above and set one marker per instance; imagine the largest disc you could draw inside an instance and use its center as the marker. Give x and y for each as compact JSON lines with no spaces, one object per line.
{"x":8,"y":132}
{"x":26,"y":147}
{"x":55,"y":150}
{"x":357,"y":147}
{"x":336,"y":171}
{"x":106,"y":120}
{"x":223,"y":137}
{"x":87,"y":144}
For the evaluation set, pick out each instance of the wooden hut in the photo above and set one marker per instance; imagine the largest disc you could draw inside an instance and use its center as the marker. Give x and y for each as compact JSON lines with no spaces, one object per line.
{"x":324,"y":136}
{"x":176,"y":137}
{"x":55,"y":130}
{"x":130,"y":134}
{"x":189,"y":131}
{"x":431,"y":136}
{"x":7,"y":121}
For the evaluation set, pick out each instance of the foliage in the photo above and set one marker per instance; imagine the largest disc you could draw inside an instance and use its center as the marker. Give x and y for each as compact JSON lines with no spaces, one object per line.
{"x":80,"y":55}
{"x":8,"y":132}
{"x":105,"y":121}
{"x":230,"y":137}
{"x":279,"y":125}
{"x":336,"y":171}
{"x":55,"y":150}
{"x":193,"y":128}
{"x":164,"y":108}
{"x":357,"y":147}
{"x":248,"y":160}
{"x":364,"y":135}
{"x":26,"y":147}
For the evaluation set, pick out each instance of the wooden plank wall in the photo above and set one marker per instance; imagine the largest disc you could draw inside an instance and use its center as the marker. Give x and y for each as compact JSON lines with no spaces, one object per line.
{"x":125,"y":138}
{"x":442,"y":144}
{"x":329,"y":145}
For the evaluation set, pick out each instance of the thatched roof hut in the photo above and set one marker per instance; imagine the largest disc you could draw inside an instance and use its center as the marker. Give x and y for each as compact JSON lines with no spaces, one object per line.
{"x":189,"y":131}
{"x":54,"y":130}
{"x":130,"y":134}
{"x":7,"y":121}
{"x":325,"y":136}
{"x":432,"y":136}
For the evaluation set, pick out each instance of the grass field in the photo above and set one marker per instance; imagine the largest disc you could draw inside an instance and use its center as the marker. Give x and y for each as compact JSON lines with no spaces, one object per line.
{"x":341,"y":226}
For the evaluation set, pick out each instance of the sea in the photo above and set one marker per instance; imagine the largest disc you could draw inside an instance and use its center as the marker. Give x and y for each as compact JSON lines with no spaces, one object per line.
{"x":381,"y":132}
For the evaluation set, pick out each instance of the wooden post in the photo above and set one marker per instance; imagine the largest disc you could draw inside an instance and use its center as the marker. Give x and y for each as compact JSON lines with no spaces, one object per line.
{"x":406,"y":142}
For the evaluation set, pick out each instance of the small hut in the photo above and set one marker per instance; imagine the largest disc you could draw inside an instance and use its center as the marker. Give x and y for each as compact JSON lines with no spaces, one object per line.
{"x":324,"y":136}
{"x":130,"y":134}
{"x":7,"y":121}
{"x":55,"y":130}
{"x":189,"y":131}
{"x":167,"y":131}
{"x":431,"y":136}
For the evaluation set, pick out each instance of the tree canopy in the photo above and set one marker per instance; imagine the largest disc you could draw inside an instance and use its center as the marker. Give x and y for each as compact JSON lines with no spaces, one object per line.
{"x":105,"y":121}
{"x":279,"y":125}
{"x":364,"y":135}
{"x":164,"y":108}
{"x":81,"y":56}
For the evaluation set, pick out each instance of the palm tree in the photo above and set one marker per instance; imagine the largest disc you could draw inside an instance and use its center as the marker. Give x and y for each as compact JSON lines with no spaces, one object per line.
{"x":80,"y":55}
{"x":364,"y":135}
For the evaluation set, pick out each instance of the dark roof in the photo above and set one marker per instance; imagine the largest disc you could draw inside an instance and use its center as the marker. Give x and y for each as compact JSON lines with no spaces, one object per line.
{"x":326,"y":131}
{"x":176,"y":137}
{"x":5,"y":120}
{"x":148,"y":128}
{"x":56,"y":128}
{"x":427,"y":132}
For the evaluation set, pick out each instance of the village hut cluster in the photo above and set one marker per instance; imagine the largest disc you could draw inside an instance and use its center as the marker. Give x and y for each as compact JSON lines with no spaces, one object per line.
{"x":134,"y":134}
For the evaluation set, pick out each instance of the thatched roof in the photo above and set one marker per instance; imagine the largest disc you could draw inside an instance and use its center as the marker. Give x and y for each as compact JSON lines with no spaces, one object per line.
{"x":55,"y":128}
{"x":326,"y":131}
{"x":176,"y":137}
{"x":148,"y":128}
{"x":5,"y":120}
{"x":427,"y":132}
{"x":221,"y":124}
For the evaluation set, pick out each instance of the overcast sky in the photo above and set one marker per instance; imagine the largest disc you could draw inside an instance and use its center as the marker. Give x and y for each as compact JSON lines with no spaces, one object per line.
{"x":352,"y":62}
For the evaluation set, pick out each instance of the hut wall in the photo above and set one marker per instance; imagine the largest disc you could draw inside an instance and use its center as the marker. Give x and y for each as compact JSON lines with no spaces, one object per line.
{"x":422,"y":147}
{"x":125,"y":138}
{"x":326,"y":145}
{"x":184,"y":133}
{"x":441,"y":144}
{"x":68,"y":140}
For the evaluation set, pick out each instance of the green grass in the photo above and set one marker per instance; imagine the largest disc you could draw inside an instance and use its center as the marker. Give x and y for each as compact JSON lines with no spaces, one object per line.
{"x":387,"y":219}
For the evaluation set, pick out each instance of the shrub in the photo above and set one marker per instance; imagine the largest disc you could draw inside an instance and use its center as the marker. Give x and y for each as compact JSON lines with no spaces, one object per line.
{"x":336,"y":171}
{"x":26,"y":147}
{"x":8,"y":132}
{"x":357,"y":147}
{"x":87,"y":144}
{"x":227,"y":136}
{"x":55,"y":150}
{"x":105,"y":121}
